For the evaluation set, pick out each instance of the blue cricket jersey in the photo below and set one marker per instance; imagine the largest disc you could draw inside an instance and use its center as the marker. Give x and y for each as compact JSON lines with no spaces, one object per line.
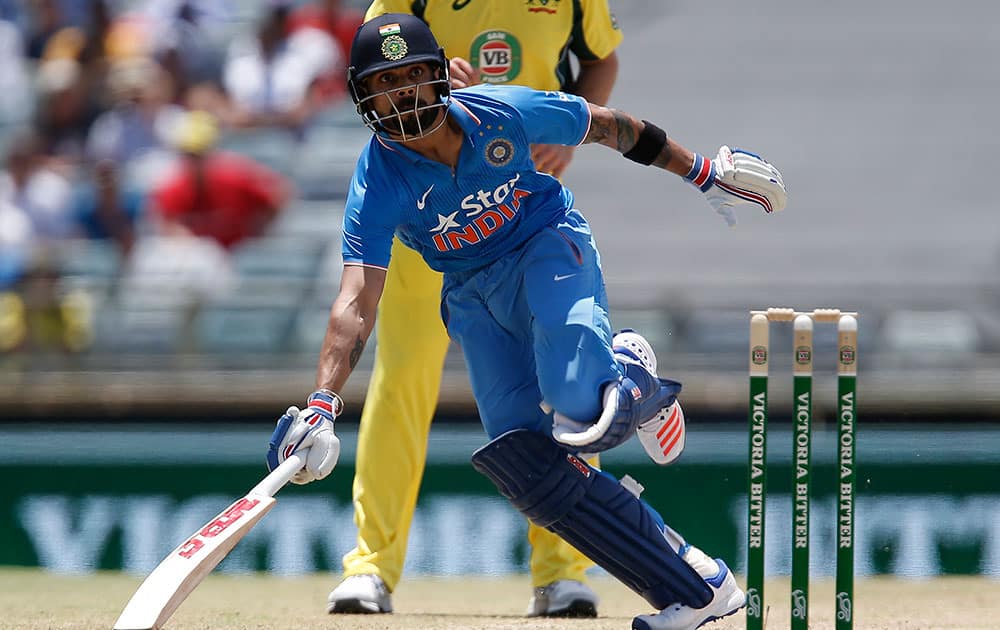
{"x":493,"y":201}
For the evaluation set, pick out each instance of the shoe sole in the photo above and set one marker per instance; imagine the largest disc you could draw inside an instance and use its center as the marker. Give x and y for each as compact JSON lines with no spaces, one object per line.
{"x":354,"y":607}
{"x":640,"y":624}
{"x":577,"y":609}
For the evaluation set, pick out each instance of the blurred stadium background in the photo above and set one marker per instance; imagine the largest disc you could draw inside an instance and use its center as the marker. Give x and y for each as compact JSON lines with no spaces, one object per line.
{"x":141,"y":372}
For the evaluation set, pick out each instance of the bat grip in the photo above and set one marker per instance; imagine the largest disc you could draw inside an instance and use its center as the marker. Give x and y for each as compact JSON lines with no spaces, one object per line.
{"x":281,"y":475}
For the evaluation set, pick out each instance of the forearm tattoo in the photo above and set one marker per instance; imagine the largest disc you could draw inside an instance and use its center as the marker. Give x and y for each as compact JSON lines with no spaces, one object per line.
{"x":614,"y":129}
{"x":359,"y":347}
{"x":620,"y":131}
{"x":627,"y":130}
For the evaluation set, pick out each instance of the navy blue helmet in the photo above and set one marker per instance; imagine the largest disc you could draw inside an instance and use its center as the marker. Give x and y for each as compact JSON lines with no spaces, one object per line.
{"x":392,"y":41}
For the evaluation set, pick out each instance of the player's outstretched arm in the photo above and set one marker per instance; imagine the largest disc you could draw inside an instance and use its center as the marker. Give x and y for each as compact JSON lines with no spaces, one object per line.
{"x":352,"y":318}
{"x":733,"y":177}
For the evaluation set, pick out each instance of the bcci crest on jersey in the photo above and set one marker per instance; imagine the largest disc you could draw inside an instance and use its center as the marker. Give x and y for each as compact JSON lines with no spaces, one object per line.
{"x":499,"y":152}
{"x":492,"y":210}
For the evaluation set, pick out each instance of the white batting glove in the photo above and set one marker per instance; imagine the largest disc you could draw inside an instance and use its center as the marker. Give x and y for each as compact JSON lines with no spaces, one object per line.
{"x":310,"y":428}
{"x":737,"y":177}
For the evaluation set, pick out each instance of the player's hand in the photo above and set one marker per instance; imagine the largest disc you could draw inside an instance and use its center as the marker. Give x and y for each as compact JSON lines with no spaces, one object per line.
{"x":311,"y":428}
{"x":461,"y":72}
{"x":551,"y":158}
{"x":740,"y":177}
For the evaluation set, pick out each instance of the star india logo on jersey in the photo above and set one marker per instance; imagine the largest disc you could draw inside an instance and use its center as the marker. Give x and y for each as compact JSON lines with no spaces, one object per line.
{"x":492,"y":210}
{"x":497,"y":56}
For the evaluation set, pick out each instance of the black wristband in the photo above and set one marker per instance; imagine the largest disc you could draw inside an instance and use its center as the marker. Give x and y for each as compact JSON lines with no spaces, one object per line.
{"x":651,"y":141}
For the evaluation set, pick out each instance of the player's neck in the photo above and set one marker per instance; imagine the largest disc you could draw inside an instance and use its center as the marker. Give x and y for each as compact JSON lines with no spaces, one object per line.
{"x":442,"y":145}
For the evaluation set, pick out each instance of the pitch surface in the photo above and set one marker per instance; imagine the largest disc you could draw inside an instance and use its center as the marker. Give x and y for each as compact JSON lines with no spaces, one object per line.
{"x":31,"y":599}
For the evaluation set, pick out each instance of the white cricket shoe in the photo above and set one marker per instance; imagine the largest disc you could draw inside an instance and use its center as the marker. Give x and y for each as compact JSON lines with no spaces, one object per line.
{"x":360,"y":594}
{"x":662,"y":436}
{"x":563,"y":598}
{"x":726,"y":600}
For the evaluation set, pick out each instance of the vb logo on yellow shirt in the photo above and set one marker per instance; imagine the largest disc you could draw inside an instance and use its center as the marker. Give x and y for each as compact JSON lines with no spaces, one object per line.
{"x":497,"y":55}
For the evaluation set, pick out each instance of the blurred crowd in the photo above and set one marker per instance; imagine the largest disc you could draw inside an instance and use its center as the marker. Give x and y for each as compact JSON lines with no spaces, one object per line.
{"x":112,"y":120}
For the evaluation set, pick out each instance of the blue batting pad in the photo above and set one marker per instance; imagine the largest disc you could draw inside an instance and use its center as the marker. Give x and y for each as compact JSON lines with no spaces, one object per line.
{"x":590,"y":510}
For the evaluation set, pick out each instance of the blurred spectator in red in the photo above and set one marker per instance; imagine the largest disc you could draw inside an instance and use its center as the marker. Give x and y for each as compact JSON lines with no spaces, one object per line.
{"x":272,"y":78}
{"x":215,"y":194}
{"x":139,"y":128}
{"x":340,"y":23}
{"x":41,"y":195}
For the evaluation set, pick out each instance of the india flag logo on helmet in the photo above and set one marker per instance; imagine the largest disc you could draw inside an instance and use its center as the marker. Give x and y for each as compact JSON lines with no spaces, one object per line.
{"x":388,"y":29}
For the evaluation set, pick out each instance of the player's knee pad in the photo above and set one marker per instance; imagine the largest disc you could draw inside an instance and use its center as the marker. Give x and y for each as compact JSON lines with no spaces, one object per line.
{"x":640,"y":396}
{"x":594,"y":513}
{"x":635,"y":398}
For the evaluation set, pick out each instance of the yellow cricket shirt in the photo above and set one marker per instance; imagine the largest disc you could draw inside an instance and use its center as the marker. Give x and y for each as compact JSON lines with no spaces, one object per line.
{"x":525,"y":42}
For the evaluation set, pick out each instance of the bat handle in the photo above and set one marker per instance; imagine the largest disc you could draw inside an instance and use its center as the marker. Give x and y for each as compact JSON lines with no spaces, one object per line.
{"x":281,"y":475}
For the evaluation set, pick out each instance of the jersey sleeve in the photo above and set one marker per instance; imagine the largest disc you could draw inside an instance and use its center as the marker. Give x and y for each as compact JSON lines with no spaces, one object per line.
{"x":595,"y":31}
{"x":549,"y":117}
{"x":370,"y":220}
{"x":380,"y":7}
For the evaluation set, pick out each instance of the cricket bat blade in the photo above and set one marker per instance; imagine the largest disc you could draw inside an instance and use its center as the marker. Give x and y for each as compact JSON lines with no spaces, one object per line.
{"x":179,"y":573}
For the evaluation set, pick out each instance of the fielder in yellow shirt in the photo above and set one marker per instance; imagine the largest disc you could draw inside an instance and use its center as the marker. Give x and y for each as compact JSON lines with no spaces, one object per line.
{"x":524,"y":42}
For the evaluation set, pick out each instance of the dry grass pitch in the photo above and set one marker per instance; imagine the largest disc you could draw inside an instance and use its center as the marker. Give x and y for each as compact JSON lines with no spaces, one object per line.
{"x":36,"y":600}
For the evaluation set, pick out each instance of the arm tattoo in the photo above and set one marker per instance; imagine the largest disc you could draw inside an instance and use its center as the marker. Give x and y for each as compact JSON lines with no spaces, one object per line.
{"x":614,"y":128}
{"x":620,"y":131}
{"x":359,"y":347}
{"x":600,"y":128}
{"x":628,"y":130}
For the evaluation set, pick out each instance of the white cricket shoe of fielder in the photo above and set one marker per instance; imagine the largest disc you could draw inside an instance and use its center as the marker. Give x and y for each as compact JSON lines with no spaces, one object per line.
{"x":727,"y":598}
{"x":359,"y":594}
{"x":563,"y":598}
{"x":663,"y":435}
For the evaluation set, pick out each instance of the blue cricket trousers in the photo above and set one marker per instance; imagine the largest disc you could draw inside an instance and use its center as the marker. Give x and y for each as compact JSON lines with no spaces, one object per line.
{"x":534,"y":326}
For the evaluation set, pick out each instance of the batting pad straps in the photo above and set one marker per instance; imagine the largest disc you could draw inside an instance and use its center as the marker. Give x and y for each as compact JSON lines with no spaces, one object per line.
{"x":651,"y":141}
{"x":590,"y":510}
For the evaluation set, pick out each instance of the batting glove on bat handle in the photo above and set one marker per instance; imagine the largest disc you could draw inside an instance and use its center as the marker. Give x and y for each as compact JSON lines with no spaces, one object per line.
{"x":310,"y":428}
{"x":737,"y":177}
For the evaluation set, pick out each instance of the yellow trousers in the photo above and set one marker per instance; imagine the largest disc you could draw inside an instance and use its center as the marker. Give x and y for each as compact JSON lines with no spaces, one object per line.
{"x":395,"y":423}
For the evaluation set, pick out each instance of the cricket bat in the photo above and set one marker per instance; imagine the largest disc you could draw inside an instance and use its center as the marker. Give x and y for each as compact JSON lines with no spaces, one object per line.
{"x":179,"y":573}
